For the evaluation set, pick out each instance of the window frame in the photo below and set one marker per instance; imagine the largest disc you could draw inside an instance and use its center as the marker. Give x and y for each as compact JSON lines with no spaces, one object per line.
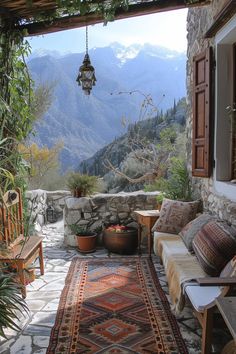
{"x":233,"y":162}
{"x":224,"y":97}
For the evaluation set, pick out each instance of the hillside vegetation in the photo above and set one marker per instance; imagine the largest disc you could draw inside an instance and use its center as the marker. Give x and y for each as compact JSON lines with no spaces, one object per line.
{"x":134,"y":152}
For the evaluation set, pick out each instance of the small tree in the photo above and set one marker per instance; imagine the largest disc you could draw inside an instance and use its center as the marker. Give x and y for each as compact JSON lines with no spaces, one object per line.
{"x":151,"y":161}
{"x":41,"y":161}
{"x":42,"y":99}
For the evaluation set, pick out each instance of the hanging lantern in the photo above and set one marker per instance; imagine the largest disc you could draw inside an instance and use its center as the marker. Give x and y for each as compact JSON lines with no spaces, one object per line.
{"x":51,"y":214}
{"x":86,"y":77}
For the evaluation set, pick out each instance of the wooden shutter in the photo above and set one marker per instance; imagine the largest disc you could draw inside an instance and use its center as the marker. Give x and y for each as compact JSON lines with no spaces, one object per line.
{"x":201,"y":154}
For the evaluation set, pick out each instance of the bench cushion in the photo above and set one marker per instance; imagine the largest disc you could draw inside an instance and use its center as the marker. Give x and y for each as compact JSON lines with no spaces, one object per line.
{"x":180,"y":266}
{"x":161,"y":236}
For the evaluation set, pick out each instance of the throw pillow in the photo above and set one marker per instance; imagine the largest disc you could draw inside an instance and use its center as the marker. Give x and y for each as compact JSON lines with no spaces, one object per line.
{"x":214,"y":245}
{"x":230,"y":269}
{"x":174,"y":215}
{"x":191,"y":229}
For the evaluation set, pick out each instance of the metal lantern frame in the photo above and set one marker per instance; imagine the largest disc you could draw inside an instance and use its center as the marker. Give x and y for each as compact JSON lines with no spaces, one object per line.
{"x":51,"y":214}
{"x":86,"y":77}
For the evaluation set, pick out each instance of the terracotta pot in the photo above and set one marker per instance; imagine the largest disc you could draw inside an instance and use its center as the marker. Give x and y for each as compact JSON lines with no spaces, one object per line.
{"x":121,"y":242}
{"x":87,"y":243}
{"x":77,"y":193}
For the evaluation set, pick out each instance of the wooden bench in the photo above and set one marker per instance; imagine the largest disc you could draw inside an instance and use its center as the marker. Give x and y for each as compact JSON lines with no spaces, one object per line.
{"x":16,"y":249}
{"x":186,"y":279}
{"x":204,"y":296}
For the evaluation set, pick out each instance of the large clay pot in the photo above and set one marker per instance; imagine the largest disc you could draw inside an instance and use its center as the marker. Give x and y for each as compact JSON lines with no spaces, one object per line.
{"x":87,"y":243}
{"x":77,"y":193}
{"x":124,"y":242}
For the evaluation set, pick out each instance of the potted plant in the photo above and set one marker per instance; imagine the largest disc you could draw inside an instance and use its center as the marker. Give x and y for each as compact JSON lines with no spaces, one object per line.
{"x":86,"y":239}
{"x":81,"y":185}
{"x":120,"y":239}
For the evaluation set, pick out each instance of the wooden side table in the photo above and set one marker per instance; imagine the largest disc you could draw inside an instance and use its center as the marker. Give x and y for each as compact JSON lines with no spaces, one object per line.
{"x":146,"y":218}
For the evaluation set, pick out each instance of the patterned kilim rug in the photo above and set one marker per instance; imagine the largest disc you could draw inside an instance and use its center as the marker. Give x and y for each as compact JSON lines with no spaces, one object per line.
{"x":114,"y":305}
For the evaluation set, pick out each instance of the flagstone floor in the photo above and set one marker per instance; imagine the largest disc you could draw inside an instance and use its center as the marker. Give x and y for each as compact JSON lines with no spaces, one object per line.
{"x":44,"y":293}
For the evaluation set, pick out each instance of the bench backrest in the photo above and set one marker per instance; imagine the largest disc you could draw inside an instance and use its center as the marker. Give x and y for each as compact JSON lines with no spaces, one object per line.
{"x":11,"y":218}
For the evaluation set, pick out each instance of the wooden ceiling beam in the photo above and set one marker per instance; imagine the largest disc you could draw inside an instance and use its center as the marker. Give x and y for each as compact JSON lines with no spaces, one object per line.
{"x":227,"y":12}
{"x":77,"y":21}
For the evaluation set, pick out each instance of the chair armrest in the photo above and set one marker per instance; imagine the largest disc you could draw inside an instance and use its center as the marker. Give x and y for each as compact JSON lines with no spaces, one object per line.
{"x":214,"y":281}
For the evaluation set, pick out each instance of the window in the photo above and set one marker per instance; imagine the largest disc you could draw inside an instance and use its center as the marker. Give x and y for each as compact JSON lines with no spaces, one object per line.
{"x":225,"y":95}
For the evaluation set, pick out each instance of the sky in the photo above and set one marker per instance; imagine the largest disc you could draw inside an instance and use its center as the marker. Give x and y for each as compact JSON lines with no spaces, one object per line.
{"x":167,"y":29}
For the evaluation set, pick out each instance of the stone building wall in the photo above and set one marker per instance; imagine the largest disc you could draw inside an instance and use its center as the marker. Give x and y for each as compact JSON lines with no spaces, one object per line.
{"x":103,"y":209}
{"x":198,"y":22}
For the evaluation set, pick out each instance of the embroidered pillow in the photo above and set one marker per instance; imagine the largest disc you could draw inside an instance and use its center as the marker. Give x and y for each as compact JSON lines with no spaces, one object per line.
{"x":214,"y":246}
{"x":191,"y":229}
{"x":174,"y":215}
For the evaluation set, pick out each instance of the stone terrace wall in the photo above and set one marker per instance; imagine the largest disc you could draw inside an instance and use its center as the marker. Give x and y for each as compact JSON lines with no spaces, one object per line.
{"x":104,"y":209}
{"x":199,"y":20}
{"x":39,"y":200}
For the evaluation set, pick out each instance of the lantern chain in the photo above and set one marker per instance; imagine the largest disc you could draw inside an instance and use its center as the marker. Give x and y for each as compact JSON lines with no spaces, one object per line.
{"x":86,"y":39}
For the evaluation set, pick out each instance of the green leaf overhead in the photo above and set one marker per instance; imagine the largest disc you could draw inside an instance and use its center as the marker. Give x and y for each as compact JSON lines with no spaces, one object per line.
{"x":46,"y":16}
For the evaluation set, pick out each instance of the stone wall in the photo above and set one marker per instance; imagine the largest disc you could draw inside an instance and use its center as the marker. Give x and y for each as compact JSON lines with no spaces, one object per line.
{"x":198,"y":22}
{"x":38,"y":202}
{"x":104,"y":209}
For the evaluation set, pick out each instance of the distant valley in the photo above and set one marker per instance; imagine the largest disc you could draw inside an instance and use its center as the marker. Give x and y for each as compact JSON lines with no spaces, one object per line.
{"x":86,"y":124}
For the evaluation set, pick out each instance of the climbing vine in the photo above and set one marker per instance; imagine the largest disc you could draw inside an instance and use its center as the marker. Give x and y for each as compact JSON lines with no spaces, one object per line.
{"x":16,"y":95}
{"x":107,"y":8}
{"x":81,"y":7}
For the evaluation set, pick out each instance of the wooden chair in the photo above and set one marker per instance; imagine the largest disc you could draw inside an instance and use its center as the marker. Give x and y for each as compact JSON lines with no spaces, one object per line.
{"x":17,"y":250}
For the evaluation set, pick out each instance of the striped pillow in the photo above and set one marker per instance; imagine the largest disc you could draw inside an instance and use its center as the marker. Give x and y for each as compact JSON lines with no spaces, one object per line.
{"x":214,"y":246}
{"x":192,"y":228}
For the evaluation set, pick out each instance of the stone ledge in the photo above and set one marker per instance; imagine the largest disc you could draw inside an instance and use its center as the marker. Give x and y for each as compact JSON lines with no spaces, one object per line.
{"x":105,"y":209}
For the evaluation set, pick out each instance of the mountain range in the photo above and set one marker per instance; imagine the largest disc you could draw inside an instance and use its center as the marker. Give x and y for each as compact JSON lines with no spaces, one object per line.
{"x":125,"y":76}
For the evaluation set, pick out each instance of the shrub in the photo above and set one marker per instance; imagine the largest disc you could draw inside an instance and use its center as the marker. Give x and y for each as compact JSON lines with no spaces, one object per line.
{"x":82,"y":184}
{"x":177,"y":185}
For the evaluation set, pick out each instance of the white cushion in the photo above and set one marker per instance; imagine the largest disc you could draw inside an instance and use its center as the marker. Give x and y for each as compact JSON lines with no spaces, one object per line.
{"x":172,"y":248}
{"x":158,"y":236}
{"x":202,"y":297}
